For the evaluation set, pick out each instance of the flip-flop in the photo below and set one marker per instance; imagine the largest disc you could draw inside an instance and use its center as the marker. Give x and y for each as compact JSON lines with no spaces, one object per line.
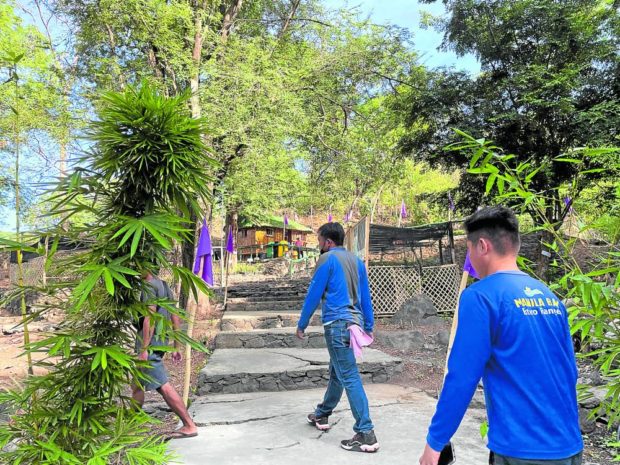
{"x":179,"y":435}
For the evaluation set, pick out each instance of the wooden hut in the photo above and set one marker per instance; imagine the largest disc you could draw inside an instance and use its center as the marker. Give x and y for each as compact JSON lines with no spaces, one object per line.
{"x":253,"y":237}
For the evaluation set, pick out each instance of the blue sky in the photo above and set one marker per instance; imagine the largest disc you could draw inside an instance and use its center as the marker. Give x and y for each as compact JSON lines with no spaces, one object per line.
{"x":404,"y":13}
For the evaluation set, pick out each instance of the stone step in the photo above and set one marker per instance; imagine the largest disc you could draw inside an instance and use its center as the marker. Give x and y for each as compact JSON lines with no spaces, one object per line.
{"x":270,"y":298}
{"x":247,"y":321}
{"x":251,"y":370}
{"x":267,"y":295}
{"x":267,"y":306}
{"x":270,"y":338}
{"x":269,"y":285}
{"x":266,"y":292}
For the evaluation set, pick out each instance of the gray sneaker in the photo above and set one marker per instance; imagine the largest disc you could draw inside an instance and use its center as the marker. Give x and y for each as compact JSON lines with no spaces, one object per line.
{"x":361,"y":442}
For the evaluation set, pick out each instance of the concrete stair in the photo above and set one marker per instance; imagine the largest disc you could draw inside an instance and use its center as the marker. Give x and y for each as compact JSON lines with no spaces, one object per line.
{"x":270,"y":338}
{"x":248,"y":321}
{"x":264,"y":305}
{"x":257,"y":349}
{"x":233,"y":371}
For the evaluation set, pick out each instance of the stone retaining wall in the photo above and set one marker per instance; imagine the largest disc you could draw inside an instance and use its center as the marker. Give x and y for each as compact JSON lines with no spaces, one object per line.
{"x":286,"y":381}
{"x":249,"y":340}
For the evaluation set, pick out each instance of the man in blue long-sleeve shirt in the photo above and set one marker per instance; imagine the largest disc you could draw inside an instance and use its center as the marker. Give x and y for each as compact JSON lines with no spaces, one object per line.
{"x":513,"y":333}
{"x":340,"y":284}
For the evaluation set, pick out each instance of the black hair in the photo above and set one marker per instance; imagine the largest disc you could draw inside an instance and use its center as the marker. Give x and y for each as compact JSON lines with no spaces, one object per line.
{"x":333,"y":231}
{"x":497,"y":224}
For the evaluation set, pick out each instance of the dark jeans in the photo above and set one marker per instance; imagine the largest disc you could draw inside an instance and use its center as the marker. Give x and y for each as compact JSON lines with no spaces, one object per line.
{"x":343,"y":375}
{"x":497,"y":459}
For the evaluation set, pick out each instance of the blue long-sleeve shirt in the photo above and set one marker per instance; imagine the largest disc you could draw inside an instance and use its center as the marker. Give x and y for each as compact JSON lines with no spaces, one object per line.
{"x":513,"y":332}
{"x":340,"y":283}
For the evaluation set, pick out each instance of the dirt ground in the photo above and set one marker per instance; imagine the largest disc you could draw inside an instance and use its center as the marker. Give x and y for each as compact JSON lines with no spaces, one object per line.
{"x":422,"y":369}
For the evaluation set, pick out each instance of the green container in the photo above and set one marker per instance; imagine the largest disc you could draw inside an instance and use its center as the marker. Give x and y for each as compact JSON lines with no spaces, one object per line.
{"x":270,"y":247}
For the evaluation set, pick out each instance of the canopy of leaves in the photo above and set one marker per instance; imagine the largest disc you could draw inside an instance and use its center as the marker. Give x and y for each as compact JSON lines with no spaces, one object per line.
{"x":549,"y":83}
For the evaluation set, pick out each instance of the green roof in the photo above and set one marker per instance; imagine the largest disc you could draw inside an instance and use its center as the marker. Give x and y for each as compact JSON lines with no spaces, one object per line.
{"x":273,"y":221}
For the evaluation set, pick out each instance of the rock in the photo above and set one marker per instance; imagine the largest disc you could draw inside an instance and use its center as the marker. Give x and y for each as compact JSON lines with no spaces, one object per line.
{"x":400,"y":339}
{"x":443,"y":337}
{"x":478,"y":400}
{"x":593,"y":397}
{"x":157,"y":410}
{"x":596,"y":379}
{"x":12,"y":329}
{"x":586,"y":424}
{"x":432,"y":320}
{"x":14,"y":306}
{"x":414,"y":310}
{"x":255,"y":343}
{"x":380,"y":378}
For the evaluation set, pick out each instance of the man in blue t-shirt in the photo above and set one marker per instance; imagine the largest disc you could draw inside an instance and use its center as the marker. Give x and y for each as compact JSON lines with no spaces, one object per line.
{"x":513,"y":333}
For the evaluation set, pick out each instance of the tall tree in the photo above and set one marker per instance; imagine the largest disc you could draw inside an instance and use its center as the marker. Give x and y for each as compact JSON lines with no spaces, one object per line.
{"x":143,"y":169}
{"x":25,"y":57}
{"x":550,"y":82}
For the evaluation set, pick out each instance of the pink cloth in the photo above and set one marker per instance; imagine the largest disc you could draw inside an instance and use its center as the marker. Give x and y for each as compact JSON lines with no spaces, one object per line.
{"x":359,"y":339}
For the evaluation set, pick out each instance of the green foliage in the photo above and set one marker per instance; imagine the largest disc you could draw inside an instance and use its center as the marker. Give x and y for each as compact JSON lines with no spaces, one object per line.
{"x":141,"y":172}
{"x":33,"y":107}
{"x":593,"y":296}
{"x":549,"y":83}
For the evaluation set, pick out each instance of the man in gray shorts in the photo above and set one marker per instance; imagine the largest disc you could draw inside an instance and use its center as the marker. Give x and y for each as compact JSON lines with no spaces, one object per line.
{"x":147,"y":341}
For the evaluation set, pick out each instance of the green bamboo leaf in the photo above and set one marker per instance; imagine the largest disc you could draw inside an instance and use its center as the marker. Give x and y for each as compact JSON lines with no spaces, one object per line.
{"x":490,"y":182}
{"x":104,"y":359}
{"x":96,"y":361}
{"x":158,"y":237}
{"x":109,"y":283}
{"x":136,"y":240}
{"x":121,"y":279}
{"x":86,"y":286}
{"x":119,"y":357}
{"x":124,"y":229}
{"x":531,"y":175}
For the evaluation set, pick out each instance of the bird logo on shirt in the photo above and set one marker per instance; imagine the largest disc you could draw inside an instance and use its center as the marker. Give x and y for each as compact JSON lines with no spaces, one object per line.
{"x":532,"y":292}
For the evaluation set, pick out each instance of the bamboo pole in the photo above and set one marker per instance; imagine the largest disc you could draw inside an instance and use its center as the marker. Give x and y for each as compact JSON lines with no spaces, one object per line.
{"x":188,"y":348}
{"x":188,"y":355}
{"x":455,"y":318}
{"x":20,"y":268}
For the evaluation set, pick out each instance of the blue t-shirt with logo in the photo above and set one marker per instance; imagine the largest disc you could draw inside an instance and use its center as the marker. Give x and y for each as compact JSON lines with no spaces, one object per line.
{"x":513,"y":333}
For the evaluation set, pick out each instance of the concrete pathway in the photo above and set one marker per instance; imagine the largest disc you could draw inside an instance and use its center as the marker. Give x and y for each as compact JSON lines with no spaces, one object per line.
{"x":259,"y":385}
{"x":270,"y":428}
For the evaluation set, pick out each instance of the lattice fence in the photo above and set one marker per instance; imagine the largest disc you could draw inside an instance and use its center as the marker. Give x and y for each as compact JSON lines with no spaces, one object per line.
{"x":441,"y":285}
{"x":392,"y":286}
{"x":32,"y":272}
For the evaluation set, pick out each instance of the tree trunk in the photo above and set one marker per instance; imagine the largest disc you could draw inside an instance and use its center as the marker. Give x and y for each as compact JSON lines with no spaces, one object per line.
{"x":544,"y":256}
{"x":229,"y":19}
{"x":63,"y":159}
{"x":232,"y":222}
{"x":20,"y":269}
{"x":289,"y":18}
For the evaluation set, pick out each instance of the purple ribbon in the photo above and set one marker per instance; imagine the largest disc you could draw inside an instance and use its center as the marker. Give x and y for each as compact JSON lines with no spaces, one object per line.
{"x":204,"y":253}
{"x":230,"y":246}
